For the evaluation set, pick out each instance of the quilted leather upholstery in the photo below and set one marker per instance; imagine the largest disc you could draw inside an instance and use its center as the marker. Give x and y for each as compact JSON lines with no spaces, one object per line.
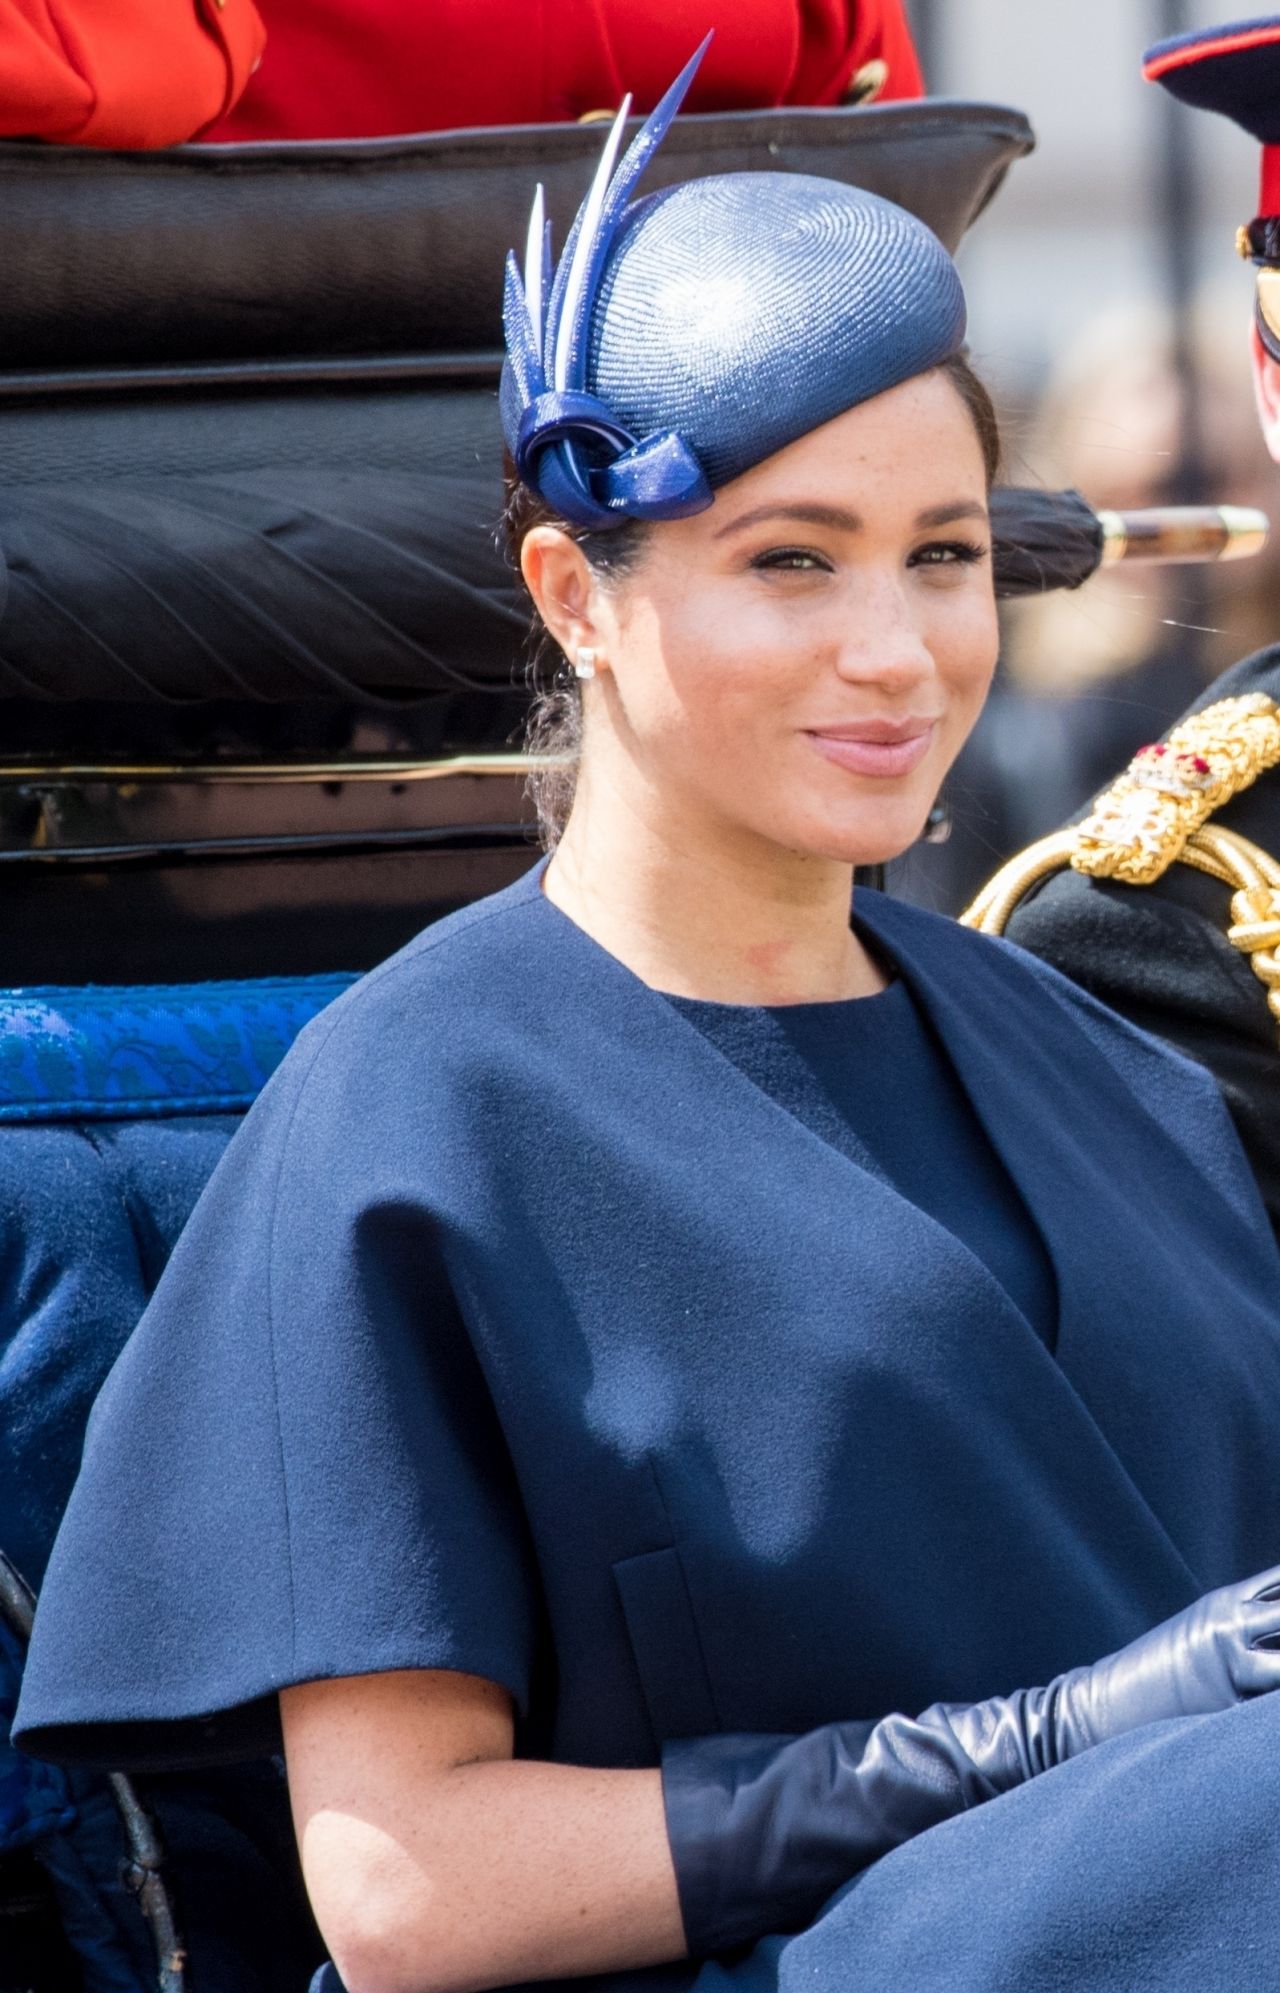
{"x":386,"y":245}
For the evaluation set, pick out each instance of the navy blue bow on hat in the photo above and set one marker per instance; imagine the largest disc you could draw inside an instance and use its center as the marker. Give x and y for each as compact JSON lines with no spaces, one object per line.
{"x":686,"y":336}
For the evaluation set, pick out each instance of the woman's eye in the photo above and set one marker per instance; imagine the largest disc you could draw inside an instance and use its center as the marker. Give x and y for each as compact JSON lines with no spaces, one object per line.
{"x":949,"y":553}
{"x":791,"y":560}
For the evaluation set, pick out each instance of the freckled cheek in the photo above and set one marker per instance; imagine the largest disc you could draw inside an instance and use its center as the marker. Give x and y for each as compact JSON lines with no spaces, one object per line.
{"x":964,"y":648}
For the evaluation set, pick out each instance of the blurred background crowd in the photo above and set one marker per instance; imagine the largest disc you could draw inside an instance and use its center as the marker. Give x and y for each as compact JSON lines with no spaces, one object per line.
{"x":1110,"y":317}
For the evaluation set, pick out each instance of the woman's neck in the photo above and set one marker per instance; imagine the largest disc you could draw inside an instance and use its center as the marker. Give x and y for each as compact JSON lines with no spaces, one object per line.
{"x":729,"y":920}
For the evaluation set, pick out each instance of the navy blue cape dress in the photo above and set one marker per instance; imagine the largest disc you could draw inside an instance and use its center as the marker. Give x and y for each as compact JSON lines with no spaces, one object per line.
{"x":520,"y":1332}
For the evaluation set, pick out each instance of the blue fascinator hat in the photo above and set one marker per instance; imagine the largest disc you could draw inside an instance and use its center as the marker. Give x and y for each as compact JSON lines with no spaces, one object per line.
{"x":688,"y":335}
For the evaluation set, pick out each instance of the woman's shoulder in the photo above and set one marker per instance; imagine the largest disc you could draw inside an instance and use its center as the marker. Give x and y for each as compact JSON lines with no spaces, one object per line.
{"x":979,"y":967}
{"x":1083,"y":1058}
{"x":405,"y":1044}
{"x":495,"y":938}
{"x":452,"y":982}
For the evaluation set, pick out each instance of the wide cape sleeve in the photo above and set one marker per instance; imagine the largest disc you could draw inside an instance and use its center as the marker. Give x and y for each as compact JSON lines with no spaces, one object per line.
{"x":294,"y":1470}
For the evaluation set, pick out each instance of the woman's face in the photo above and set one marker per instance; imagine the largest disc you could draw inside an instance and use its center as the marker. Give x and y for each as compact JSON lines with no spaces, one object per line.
{"x":802,"y":661}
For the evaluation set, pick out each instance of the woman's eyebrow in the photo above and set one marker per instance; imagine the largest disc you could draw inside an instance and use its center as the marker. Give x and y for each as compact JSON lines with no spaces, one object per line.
{"x":807,"y":515}
{"x":946,"y":515}
{"x":840,"y":521}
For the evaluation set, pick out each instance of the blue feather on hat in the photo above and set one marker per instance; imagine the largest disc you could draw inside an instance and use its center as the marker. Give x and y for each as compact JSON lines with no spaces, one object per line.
{"x":687,"y":336}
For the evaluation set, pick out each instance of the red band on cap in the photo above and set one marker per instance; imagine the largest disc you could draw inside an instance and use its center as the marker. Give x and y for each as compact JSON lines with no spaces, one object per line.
{"x":1269,"y":196}
{"x":1205,"y":51}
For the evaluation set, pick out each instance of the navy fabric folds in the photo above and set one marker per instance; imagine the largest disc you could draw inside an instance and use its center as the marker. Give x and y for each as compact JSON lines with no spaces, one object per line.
{"x":857,"y":1073}
{"x":87,"y":1220}
{"x":511,"y":1280}
{"x":90,"y":1213}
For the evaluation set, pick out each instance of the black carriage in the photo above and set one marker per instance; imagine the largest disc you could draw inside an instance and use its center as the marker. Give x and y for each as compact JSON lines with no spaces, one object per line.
{"x":263,"y":678}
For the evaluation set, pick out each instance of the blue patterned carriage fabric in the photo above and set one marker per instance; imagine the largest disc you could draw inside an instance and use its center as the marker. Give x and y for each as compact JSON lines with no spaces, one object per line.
{"x":100,"y":1054}
{"x":115,"y":1105}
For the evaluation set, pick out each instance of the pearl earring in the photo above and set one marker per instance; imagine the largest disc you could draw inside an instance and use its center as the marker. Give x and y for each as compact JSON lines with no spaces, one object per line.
{"x":584,"y":663}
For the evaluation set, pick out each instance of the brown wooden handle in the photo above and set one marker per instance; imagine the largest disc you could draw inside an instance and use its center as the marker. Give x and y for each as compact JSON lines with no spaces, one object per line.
{"x":1184,"y":533}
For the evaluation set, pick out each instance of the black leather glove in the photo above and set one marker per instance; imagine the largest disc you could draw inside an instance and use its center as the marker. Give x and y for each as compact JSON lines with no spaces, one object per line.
{"x":763,"y":1829}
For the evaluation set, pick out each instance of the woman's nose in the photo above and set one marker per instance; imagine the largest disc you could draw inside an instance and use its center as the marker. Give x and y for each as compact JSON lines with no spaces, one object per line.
{"x":880,"y":640}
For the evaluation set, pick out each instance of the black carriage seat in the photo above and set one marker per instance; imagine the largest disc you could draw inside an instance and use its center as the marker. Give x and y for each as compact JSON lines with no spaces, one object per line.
{"x":115,"y":1105}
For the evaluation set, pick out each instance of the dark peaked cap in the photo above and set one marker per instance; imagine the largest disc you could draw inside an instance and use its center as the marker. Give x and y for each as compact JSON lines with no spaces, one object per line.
{"x":1233,"y":69}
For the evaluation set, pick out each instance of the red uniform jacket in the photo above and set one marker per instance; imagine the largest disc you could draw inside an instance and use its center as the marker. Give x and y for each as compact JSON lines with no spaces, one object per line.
{"x":347,"y":68}
{"x":123,"y":72}
{"x":144,"y":73}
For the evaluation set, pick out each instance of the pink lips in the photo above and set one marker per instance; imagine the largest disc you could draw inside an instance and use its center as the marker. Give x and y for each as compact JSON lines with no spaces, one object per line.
{"x":876,"y":747}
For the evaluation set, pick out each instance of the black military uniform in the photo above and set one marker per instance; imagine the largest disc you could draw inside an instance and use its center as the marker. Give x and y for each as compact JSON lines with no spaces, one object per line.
{"x":1160,"y":953}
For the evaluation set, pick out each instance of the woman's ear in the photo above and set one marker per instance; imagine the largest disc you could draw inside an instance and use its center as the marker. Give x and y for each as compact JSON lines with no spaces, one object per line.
{"x":563,"y":587}
{"x":1266,"y":388}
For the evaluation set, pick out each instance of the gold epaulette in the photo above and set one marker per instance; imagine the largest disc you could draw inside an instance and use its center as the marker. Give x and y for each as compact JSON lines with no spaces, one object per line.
{"x":1141,"y":824}
{"x":1157,"y":814}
